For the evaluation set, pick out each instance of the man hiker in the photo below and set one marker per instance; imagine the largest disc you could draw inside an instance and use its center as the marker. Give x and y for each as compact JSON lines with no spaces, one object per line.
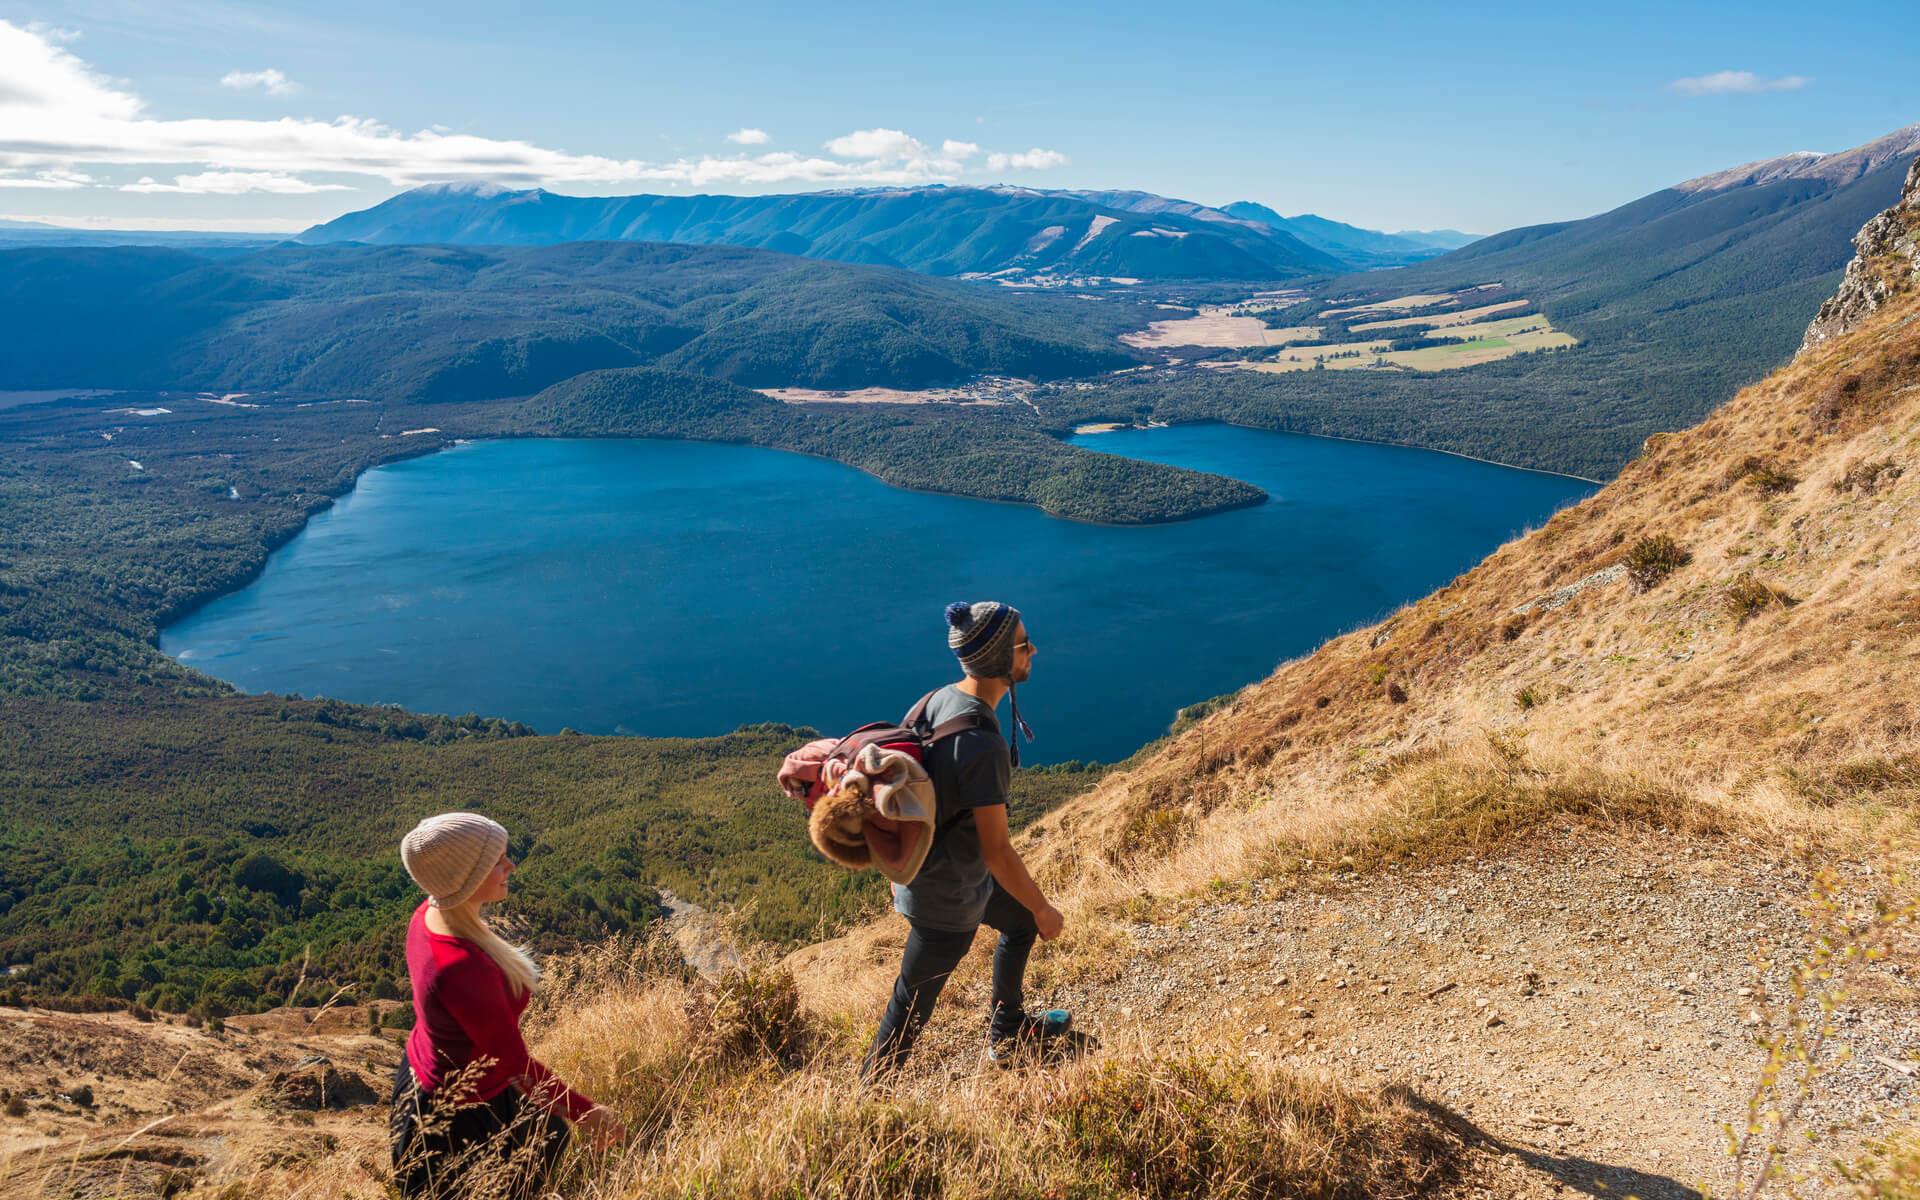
{"x":972,"y":875}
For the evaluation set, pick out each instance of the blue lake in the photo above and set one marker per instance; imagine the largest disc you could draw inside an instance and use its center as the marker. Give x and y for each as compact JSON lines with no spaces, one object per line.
{"x":684,"y":588}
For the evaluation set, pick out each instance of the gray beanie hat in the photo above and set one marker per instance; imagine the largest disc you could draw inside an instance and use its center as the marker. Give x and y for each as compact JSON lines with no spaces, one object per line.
{"x":451,"y":855}
{"x":981,"y":637}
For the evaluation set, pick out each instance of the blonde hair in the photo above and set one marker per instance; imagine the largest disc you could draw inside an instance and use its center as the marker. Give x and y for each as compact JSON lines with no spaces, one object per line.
{"x":518,"y":966}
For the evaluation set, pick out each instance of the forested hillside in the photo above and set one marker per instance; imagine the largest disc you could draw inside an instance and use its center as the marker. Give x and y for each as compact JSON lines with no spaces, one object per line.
{"x":435,"y":323}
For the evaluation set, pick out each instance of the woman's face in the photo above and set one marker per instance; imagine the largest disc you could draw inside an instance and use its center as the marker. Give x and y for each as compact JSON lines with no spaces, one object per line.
{"x":494,"y":887}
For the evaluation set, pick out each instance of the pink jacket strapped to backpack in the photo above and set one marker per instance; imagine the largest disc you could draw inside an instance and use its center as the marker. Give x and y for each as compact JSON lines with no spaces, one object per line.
{"x":800,"y":773}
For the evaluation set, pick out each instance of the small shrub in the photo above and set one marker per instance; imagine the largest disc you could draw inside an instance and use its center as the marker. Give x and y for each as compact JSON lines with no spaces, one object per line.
{"x":1153,"y":830}
{"x":1396,"y":694}
{"x":16,"y":1106}
{"x":1868,"y":476}
{"x":1770,"y":479}
{"x":1762,"y":475}
{"x":1322,"y":701}
{"x":1747,"y":596}
{"x":755,"y":1013}
{"x":1527,"y":698}
{"x":1513,"y":628}
{"x":141,"y":1012}
{"x":1652,"y":559}
{"x":1377,"y":674}
{"x":81,"y":1095}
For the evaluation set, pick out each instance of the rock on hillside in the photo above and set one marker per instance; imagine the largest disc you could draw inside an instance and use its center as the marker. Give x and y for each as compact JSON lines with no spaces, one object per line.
{"x":1887,"y":261}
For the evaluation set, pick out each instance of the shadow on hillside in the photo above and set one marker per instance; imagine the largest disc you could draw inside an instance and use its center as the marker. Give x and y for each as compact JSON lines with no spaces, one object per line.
{"x":1584,"y":1176}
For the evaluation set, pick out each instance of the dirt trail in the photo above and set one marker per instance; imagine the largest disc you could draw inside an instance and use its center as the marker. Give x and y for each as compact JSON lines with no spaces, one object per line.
{"x":1585,"y":1004}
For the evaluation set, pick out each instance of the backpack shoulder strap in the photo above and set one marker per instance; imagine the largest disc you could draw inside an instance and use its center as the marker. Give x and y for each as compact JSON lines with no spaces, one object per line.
{"x":916,"y":717}
{"x":947,"y":729}
{"x":916,"y":720}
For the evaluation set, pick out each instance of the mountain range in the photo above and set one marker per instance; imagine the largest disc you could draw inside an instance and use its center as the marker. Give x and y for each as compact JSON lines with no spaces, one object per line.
{"x":1005,"y":232}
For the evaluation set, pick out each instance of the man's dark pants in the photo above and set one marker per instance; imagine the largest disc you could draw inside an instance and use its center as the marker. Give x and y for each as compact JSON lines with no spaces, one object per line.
{"x":930,"y":957}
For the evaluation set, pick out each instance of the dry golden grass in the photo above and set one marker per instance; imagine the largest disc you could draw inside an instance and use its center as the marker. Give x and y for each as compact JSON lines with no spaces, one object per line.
{"x":759,"y":1124}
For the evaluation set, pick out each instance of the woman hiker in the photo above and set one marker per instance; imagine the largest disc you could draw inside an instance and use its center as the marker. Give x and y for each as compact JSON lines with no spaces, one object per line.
{"x":973,"y":875}
{"x":469,"y":1102}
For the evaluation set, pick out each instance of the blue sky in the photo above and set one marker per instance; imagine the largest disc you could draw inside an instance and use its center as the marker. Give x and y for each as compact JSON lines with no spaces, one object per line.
{"x":183,"y":113}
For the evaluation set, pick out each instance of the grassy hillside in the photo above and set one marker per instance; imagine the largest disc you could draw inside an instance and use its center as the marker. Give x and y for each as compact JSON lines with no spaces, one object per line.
{"x":422,"y":323}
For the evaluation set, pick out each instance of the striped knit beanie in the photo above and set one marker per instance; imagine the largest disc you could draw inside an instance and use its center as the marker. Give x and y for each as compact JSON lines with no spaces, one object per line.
{"x":451,"y":855}
{"x":981,"y":637}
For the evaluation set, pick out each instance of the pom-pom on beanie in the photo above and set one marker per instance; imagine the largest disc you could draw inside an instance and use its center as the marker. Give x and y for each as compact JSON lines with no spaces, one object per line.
{"x":450,"y":855}
{"x":981,"y":637}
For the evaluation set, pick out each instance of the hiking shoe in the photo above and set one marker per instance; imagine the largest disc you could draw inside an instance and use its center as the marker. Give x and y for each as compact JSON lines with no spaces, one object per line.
{"x":1040,"y":1040}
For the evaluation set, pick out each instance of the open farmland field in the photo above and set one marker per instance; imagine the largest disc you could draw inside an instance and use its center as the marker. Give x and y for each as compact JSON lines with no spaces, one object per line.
{"x":1505,"y":327}
{"x":1483,"y":343}
{"x":1216,"y":327}
{"x":1474,"y":351}
{"x":1464,"y":316}
{"x":1344,"y":357}
{"x":989,"y":390}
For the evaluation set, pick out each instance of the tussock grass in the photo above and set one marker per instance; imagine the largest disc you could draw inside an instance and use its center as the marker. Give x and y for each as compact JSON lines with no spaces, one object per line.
{"x":707,"y":1077}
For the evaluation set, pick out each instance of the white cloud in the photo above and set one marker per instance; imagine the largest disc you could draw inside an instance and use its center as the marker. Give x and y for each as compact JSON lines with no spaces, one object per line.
{"x":877,"y":143}
{"x":270,"y":81}
{"x":749,"y":137}
{"x":58,"y":115}
{"x":235,"y":183}
{"x":1722,"y":83}
{"x":1035,"y":159}
{"x":57,"y":178}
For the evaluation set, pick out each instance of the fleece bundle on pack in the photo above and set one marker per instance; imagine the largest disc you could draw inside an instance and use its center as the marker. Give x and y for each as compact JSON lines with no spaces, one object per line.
{"x":879,"y":814}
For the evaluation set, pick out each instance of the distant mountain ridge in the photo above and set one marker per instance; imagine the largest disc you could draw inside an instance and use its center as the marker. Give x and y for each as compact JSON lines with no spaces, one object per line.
{"x":1365,"y":248}
{"x":981,"y":231}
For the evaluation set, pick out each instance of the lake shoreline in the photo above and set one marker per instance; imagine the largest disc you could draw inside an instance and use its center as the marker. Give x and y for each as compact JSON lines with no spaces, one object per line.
{"x":682,"y":535}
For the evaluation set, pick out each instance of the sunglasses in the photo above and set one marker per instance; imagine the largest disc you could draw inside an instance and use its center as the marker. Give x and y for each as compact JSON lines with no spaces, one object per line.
{"x":1026,"y":642}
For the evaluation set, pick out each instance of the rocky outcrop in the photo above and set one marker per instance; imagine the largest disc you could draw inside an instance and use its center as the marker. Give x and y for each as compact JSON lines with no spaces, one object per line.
{"x":1886,"y":261}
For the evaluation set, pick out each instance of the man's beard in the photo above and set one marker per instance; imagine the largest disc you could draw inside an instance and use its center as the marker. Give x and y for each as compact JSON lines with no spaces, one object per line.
{"x":1020,"y":673}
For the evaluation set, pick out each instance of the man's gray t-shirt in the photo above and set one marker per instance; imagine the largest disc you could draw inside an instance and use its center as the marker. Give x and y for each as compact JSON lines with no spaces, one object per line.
{"x":970,"y":770}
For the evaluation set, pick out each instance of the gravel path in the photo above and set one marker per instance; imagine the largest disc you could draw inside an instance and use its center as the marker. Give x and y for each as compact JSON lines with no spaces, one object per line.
{"x":1586,"y":1004}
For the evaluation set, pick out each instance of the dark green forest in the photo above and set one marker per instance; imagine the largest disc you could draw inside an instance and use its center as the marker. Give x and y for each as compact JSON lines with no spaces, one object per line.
{"x":201,"y":853}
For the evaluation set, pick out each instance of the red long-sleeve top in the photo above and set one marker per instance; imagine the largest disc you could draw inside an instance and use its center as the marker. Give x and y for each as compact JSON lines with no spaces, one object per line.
{"x":464,"y":1010}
